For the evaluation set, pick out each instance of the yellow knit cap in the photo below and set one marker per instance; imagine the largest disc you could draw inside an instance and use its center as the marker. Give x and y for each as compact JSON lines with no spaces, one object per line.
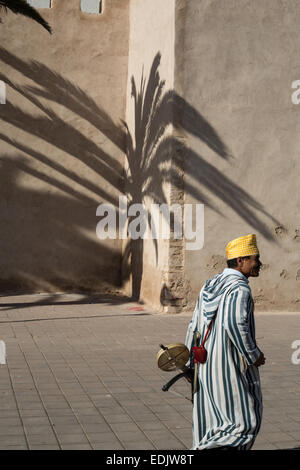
{"x":243,"y":246}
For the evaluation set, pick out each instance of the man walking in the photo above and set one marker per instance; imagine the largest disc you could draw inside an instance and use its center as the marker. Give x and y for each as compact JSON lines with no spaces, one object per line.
{"x":227,"y":408}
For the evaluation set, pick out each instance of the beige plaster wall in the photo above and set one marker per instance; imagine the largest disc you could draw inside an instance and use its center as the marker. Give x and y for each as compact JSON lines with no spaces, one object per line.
{"x":62,"y":146}
{"x":235,"y":63}
{"x":216,"y":114}
{"x":151,"y":56}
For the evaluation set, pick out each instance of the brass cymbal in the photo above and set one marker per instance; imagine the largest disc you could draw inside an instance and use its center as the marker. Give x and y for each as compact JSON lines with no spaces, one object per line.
{"x":173,"y":356}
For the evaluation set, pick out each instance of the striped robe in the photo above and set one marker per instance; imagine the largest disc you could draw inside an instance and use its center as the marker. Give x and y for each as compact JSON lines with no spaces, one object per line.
{"x":227,"y":408}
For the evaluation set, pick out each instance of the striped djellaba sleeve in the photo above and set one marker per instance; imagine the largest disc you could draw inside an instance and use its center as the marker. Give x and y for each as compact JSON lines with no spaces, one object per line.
{"x":239,"y":323}
{"x":193,"y":326}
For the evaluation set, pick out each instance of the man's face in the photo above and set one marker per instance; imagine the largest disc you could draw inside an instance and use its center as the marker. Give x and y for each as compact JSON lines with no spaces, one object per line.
{"x":250,"y":266}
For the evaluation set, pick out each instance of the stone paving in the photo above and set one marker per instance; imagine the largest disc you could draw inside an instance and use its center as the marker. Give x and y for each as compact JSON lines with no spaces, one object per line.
{"x":83,"y":375}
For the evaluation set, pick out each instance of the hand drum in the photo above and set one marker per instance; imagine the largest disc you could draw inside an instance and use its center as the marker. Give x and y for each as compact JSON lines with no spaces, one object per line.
{"x":173,"y":356}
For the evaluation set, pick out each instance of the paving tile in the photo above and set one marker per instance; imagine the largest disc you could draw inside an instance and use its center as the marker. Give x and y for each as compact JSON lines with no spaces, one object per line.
{"x":42,"y":439}
{"x":119,"y":418}
{"x":145,"y":417}
{"x":76,"y":447}
{"x":44,"y":447}
{"x":264,"y":446}
{"x":179,"y":423}
{"x":131,"y":436}
{"x":291,"y":444}
{"x":13,"y":447}
{"x":104,"y":410}
{"x":53,"y":413}
{"x":8,"y":406}
{"x":101,"y":437}
{"x":96,"y":427}
{"x":169,"y":444}
{"x":35,"y":420}
{"x":47,"y":388}
{"x":12,"y":440}
{"x":269,"y":427}
{"x":33,"y":429}
{"x":142,"y":445}
{"x":152,"y":425}
{"x":63,"y":420}
{"x":112,"y":445}
{"x":31,"y":406}
{"x":9,"y":414}
{"x":64,"y":429}
{"x":53,"y":397}
{"x":10,"y":421}
{"x":79,"y":400}
{"x":91,"y":419}
{"x":56,"y":407}
{"x":183,"y":433}
{"x":294,"y":435}
{"x":293,"y":426}
{"x":72,"y":438}
{"x":120,"y":427}
{"x":276,"y":436}
{"x":5,"y":386}
{"x":293,"y":417}
{"x":11,"y":431}
{"x":87,"y":411}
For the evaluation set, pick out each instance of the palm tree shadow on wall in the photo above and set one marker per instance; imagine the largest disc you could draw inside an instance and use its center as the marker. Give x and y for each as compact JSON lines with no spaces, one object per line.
{"x":22,"y":7}
{"x":154,"y":156}
{"x":49,"y":223}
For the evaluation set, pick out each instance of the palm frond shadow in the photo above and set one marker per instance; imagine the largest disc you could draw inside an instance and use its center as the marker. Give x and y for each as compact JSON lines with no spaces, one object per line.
{"x":155,"y":156}
{"x":22,"y":7}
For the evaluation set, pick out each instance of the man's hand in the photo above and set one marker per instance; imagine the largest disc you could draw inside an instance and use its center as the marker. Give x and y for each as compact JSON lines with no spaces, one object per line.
{"x":260,"y":361}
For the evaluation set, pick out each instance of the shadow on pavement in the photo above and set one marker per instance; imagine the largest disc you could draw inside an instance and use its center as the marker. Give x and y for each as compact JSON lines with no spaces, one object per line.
{"x":54,"y":299}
